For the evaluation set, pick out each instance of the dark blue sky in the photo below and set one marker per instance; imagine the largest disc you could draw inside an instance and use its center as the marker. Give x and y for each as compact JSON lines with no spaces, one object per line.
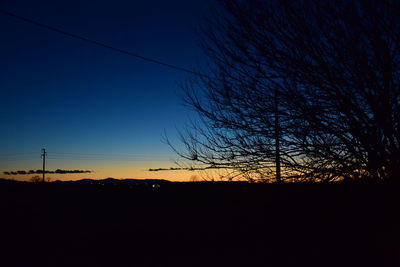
{"x":74,"y":97}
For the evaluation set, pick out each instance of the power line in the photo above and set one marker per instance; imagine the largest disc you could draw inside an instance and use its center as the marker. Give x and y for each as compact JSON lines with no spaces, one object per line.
{"x":110,"y":154}
{"x":104,"y":159}
{"x":94,"y":156}
{"x":16,"y":154}
{"x":18,"y":159}
{"x":82,"y":38}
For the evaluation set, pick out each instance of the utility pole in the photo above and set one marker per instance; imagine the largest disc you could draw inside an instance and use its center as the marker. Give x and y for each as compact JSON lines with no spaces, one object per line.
{"x":44,"y":153}
{"x":277,"y":137}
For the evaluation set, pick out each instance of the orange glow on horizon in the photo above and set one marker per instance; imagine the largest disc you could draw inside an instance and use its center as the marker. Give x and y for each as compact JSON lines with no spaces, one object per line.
{"x":117,"y":170}
{"x":175,"y":176}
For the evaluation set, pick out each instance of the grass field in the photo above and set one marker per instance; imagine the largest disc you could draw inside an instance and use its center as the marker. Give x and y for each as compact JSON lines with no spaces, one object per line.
{"x":200,"y":224}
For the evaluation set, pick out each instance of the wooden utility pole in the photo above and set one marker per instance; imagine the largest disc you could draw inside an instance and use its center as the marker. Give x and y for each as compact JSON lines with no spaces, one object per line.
{"x":277,"y":137}
{"x":44,"y":153}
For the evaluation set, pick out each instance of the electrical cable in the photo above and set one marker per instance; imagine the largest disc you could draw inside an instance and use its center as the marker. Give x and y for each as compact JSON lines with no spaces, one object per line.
{"x":79,"y":37}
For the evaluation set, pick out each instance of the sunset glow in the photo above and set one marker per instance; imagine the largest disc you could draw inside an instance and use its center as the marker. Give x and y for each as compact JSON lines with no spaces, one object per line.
{"x":108,"y":109}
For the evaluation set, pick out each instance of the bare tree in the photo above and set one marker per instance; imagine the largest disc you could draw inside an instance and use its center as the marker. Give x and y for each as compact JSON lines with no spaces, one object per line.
{"x":309,"y":85}
{"x":35,"y":179}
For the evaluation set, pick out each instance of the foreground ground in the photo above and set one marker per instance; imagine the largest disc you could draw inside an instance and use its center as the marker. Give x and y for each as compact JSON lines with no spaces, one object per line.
{"x":200,"y":224}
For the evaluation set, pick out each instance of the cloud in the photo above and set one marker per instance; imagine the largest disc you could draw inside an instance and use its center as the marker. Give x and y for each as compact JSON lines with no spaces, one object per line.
{"x":58,"y":171}
{"x":170,"y":169}
{"x":70,"y":171}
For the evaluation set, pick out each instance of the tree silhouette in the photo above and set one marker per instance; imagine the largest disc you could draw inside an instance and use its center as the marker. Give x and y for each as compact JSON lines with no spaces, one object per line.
{"x":309,"y":85}
{"x":35,"y":179}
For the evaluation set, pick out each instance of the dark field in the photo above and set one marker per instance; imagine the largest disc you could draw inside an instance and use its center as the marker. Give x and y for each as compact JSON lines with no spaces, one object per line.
{"x":200,"y":224}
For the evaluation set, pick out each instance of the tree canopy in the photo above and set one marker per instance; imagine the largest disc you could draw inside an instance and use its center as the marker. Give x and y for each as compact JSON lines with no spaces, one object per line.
{"x":299,"y":90}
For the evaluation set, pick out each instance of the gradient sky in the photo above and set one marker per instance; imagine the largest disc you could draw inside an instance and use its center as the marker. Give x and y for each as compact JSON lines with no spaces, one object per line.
{"x":90,"y":107}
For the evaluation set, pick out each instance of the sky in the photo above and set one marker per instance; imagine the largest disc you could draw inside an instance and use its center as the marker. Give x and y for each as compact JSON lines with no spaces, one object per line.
{"x":92,"y":108}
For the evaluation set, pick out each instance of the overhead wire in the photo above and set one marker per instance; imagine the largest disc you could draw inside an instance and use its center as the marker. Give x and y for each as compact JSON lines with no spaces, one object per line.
{"x":17,"y":159}
{"x":100,"y":44}
{"x":88,"y":40}
{"x":16,"y":154}
{"x":83,"y":156}
{"x":107,"y":154}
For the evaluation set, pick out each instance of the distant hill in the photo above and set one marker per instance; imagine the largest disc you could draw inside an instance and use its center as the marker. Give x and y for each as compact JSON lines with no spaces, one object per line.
{"x":106,"y":181}
{"x":114,"y":181}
